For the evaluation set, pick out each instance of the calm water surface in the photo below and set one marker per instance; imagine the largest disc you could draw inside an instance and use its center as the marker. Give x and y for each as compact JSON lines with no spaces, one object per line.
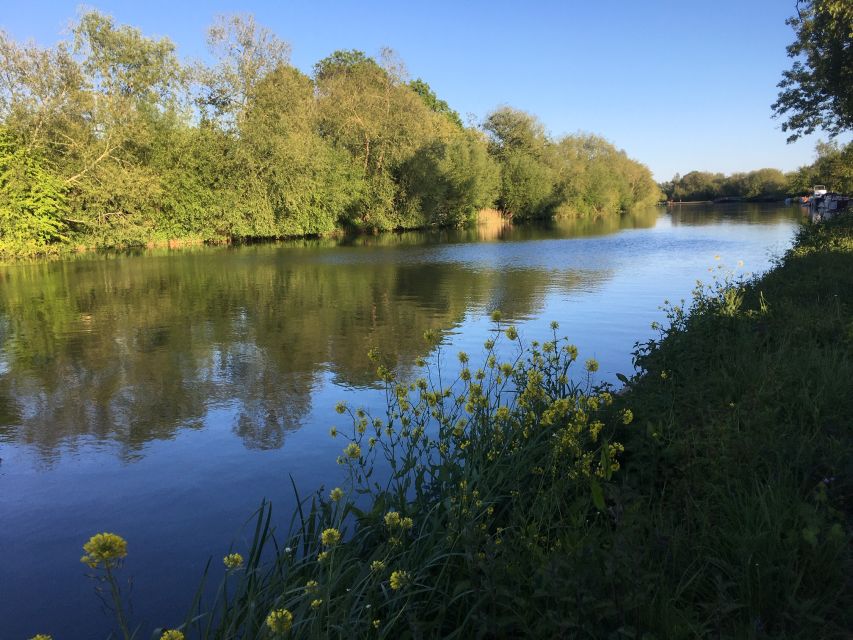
{"x":163,"y":395}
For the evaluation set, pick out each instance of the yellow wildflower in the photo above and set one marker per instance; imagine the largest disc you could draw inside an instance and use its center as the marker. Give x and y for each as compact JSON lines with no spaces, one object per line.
{"x":377,"y":565}
{"x":233,"y":561}
{"x":104,"y":548}
{"x":316,"y":604}
{"x":311,"y":586}
{"x":511,"y":333}
{"x":399,"y":579}
{"x":336,"y":494}
{"x":172,"y":634}
{"x":322,"y":557}
{"x":392,"y":519}
{"x":41,"y":636}
{"x":353,"y":451}
{"x":592,"y":365}
{"x":341,"y":407}
{"x":376,"y":623}
{"x":280,"y":621}
{"x":330,"y":537}
{"x":406,"y":523}
{"x":333,"y":432}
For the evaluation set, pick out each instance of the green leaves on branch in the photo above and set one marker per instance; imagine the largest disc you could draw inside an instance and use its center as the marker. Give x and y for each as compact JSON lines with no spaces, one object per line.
{"x":32,"y":201}
{"x":817,"y":91}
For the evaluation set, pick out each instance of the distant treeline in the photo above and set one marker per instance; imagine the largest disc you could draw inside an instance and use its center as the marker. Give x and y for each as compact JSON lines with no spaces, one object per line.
{"x":833,"y":168}
{"x":110,"y":140}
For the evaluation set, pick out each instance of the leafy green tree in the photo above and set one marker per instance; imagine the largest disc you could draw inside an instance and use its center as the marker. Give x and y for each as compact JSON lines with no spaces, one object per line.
{"x":817,"y":91}
{"x":367,"y":110}
{"x":32,"y":201}
{"x":310,"y":185}
{"x":343,"y":61}
{"x":41,"y":94}
{"x":519,"y":143}
{"x":245,"y":52}
{"x":448,"y":182}
{"x":433,"y":102}
{"x":833,"y":167}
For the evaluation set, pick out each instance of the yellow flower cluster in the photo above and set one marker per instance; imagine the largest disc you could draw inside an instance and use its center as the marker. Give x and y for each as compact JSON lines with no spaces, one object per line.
{"x":233,"y":561}
{"x":394,"y":521}
{"x":316,"y":604}
{"x":104,"y":548}
{"x":330,"y":537}
{"x":352,"y":451}
{"x":280,"y":621}
{"x":377,"y":566}
{"x":41,"y":636}
{"x":311,"y":586}
{"x":172,"y":634}
{"x":400,"y":579}
{"x":336,"y":494}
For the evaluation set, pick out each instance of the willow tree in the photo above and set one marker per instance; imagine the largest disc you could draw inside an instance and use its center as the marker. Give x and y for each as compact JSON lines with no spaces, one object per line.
{"x":309,"y":185}
{"x":519,"y":143}
{"x":367,"y":109}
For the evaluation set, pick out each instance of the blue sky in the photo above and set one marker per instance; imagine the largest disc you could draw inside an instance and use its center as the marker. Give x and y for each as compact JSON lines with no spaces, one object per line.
{"x":678,"y":85}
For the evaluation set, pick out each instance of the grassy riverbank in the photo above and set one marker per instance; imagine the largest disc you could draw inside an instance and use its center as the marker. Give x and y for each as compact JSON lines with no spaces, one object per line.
{"x":735,"y":494}
{"x":710,"y":499}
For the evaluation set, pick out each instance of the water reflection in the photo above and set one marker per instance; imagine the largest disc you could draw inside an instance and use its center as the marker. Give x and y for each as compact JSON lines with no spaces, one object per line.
{"x":734,"y":212}
{"x":133,"y":349}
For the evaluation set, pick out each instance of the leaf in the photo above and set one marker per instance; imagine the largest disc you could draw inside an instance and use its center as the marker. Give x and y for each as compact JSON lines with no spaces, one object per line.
{"x":597,"y":494}
{"x":622,"y":378}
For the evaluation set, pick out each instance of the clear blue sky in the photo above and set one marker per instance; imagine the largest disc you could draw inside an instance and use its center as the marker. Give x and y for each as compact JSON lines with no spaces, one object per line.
{"x":679,"y":85}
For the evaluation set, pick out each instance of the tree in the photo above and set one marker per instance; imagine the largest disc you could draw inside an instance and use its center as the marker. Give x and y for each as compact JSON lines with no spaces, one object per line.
{"x":32,"y":200}
{"x":433,"y":102}
{"x":817,"y":91}
{"x":366,"y":109}
{"x":246,"y":53}
{"x":447,"y":182}
{"x":832,"y":167}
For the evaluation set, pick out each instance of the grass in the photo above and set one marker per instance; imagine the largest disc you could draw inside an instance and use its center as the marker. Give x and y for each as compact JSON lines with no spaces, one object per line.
{"x":522,"y":500}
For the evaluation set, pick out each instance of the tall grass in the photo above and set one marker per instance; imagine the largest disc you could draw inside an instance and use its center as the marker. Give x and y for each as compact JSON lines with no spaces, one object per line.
{"x":461,"y":501}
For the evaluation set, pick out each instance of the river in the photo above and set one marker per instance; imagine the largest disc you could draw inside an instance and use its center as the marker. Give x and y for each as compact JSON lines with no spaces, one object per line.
{"x":161,"y":395}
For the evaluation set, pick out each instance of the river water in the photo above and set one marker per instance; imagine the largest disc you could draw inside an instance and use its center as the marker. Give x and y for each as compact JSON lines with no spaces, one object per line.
{"x":162,"y":395}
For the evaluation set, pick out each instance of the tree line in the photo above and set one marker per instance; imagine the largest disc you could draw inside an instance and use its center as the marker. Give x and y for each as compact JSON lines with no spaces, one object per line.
{"x":833,"y":167}
{"x":109,"y":139}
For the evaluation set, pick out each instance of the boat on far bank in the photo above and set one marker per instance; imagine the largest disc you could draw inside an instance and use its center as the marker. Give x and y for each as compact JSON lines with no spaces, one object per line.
{"x":825,"y":204}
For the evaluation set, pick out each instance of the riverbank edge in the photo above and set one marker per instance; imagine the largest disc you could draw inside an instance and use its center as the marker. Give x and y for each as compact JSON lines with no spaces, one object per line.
{"x":486,"y":216}
{"x":741,"y":453}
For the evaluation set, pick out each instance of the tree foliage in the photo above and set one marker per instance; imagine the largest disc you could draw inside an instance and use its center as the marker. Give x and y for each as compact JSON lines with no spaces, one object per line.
{"x":761,"y":184}
{"x":109,"y":139}
{"x":817,"y":91}
{"x":833,"y":168}
{"x":579,"y":175}
{"x":32,"y":200}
